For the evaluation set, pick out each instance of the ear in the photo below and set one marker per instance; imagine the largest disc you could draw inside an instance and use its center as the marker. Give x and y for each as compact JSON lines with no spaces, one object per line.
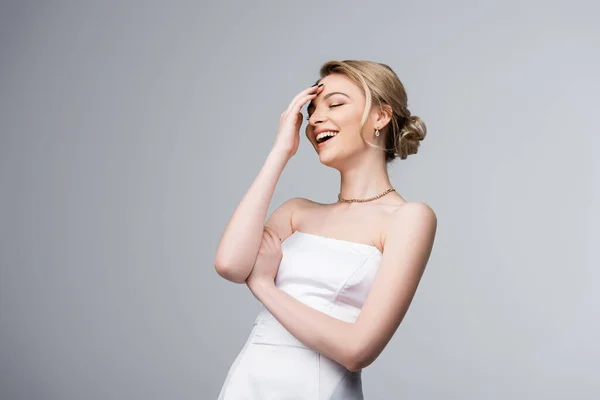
{"x":383,"y":116}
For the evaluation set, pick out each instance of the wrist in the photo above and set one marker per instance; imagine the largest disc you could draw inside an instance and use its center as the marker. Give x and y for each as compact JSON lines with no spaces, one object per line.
{"x":279,"y":155}
{"x":258,"y":286}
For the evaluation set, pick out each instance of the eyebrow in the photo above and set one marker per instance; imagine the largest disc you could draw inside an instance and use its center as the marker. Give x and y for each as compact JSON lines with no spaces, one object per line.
{"x":328,"y":95}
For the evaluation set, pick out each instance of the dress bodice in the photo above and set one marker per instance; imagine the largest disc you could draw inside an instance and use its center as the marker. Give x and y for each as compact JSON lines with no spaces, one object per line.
{"x":331,"y":275}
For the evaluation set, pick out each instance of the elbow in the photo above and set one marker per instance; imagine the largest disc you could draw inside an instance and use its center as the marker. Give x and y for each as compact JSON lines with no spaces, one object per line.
{"x":354,"y":361}
{"x":231,"y":274}
{"x":355,"y":365}
{"x":358,"y":358}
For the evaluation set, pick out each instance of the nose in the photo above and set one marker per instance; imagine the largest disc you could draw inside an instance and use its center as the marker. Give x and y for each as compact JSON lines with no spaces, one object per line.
{"x":313,"y":123}
{"x":316,"y":119}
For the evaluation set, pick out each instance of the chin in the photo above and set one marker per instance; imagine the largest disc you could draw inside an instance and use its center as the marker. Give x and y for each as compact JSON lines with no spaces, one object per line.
{"x":329,"y":158}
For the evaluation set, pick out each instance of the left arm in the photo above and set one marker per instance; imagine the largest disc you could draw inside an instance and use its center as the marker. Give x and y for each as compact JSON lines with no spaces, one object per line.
{"x":356,"y":345}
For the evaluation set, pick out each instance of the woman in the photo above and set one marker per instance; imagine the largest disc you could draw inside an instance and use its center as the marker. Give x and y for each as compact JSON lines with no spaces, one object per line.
{"x":337,"y":287}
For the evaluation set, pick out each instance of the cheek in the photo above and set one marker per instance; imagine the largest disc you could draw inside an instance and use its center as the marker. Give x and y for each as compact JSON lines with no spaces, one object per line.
{"x":350,"y":120}
{"x":307,"y":134}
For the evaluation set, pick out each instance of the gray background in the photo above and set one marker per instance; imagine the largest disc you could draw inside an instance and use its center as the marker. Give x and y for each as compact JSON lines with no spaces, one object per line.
{"x":130,"y":131}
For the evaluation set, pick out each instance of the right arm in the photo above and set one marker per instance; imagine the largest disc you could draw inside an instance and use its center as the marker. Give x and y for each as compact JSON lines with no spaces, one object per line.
{"x":241,"y":239}
{"x":240,"y":242}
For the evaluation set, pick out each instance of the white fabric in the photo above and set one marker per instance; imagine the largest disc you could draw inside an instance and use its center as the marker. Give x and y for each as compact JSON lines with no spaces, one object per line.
{"x":330,"y":275}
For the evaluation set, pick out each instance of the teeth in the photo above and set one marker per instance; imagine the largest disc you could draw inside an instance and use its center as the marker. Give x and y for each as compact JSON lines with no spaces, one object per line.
{"x":324,"y":134}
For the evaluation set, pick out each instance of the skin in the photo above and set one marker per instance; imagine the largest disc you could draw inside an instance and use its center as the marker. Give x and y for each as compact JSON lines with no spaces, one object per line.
{"x":403,"y":231}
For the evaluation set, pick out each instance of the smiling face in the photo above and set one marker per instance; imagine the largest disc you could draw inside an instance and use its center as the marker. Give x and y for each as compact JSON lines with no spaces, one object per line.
{"x":339,"y":108}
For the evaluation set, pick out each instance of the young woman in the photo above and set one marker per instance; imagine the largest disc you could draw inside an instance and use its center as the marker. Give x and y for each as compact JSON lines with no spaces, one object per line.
{"x":335,"y":279}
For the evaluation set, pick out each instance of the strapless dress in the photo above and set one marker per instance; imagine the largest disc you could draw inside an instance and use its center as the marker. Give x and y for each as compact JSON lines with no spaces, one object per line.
{"x":331,"y":275}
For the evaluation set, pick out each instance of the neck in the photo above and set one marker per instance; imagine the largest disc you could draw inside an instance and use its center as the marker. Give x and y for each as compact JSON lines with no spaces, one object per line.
{"x":365,"y":179}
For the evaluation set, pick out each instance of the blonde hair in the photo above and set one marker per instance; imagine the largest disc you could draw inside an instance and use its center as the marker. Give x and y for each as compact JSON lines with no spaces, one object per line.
{"x":382,"y":87}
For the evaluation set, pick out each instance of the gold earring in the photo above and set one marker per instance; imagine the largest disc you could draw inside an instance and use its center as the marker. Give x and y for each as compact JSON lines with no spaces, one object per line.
{"x":376,"y":131}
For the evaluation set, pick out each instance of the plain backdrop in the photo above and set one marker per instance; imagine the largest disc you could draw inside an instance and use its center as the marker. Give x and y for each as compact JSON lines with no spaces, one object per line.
{"x":131,"y":130}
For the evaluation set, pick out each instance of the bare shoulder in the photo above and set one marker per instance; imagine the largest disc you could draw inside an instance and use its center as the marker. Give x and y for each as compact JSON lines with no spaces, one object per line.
{"x":412,"y":216}
{"x":281,"y":218}
{"x":416,"y":207}
{"x":301,"y":204}
{"x":415,"y":212}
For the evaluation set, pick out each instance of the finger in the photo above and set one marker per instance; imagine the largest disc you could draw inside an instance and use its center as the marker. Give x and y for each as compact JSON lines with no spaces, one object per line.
{"x":305,"y":94}
{"x":268,"y":239}
{"x":271,"y":232}
{"x":266,"y":234}
{"x":297,"y":106}
{"x":274,"y":236}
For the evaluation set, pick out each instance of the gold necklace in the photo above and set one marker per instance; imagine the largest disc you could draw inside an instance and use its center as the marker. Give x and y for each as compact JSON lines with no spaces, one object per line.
{"x":365,"y":200}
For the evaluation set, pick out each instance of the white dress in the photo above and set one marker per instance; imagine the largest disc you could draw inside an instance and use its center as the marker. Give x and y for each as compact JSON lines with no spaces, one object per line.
{"x":331,"y":275}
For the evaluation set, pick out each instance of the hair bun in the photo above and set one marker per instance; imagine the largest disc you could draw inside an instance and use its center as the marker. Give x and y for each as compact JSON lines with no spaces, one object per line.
{"x":410,"y":136}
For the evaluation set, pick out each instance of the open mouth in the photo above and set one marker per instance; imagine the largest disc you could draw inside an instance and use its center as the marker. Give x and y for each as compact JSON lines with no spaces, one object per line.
{"x":326,"y":138}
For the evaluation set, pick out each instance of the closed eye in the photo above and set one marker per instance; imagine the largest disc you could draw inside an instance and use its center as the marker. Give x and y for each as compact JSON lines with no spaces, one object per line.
{"x":331,"y":106}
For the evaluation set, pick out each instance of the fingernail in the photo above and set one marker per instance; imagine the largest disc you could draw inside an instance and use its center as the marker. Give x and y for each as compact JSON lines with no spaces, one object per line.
{"x":320,"y":85}
{"x":314,"y":85}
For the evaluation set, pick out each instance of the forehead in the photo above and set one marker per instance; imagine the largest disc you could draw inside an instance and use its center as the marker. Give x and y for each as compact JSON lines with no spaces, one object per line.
{"x":337,"y":83}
